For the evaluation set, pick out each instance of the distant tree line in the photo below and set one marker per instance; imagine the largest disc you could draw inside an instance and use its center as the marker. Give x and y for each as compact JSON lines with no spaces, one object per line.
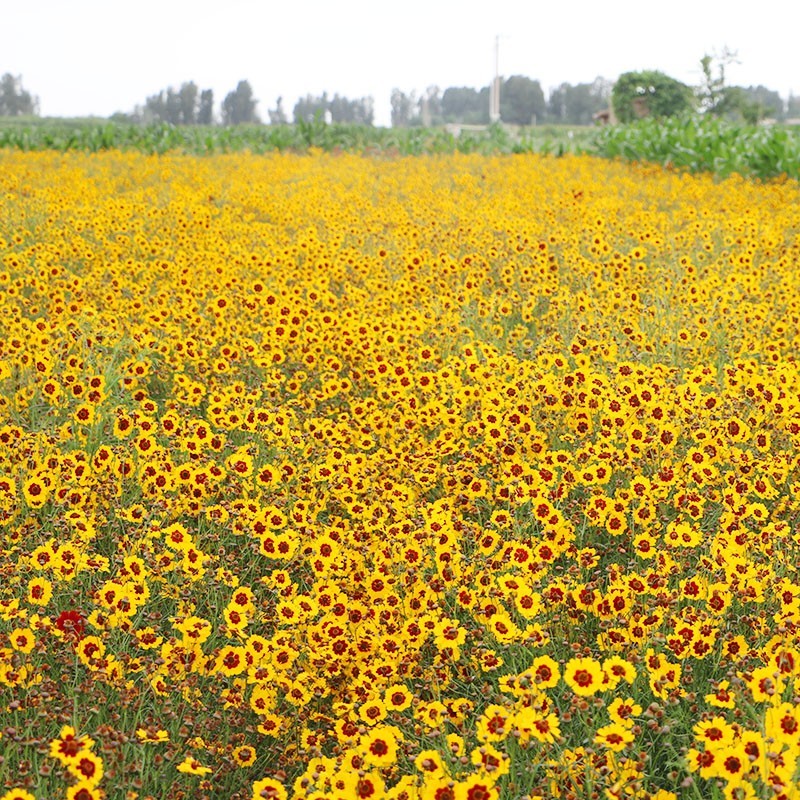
{"x":190,"y":105}
{"x":185,"y":106}
{"x":334,"y":109}
{"x":522,"y":102}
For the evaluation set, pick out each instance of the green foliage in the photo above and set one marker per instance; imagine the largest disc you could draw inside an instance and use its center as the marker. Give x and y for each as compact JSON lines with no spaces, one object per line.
{"x":578,"y":104}
{"x":691,"y":143}
{"x":340,"y":109}
{"x":184,"y":106}
{"x":404,"y":108}
{"x":649,"y":94}
{"x":522,"y":101}
{"x":239,"y":106}
{"x":14,"y":100}
{"x":703,"y":143}
{"x":360,"y":111}
{"x":92,"y":135}
{"x":749,"y":104}
{"x":464,"y":104}
{"x":277,"y":115}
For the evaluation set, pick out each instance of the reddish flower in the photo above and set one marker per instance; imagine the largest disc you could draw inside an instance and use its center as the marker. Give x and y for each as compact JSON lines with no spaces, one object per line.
{"x":71,"y":623}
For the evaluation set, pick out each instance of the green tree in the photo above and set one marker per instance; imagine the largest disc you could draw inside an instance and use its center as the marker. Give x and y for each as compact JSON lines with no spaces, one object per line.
{"x":577,"y":105}
{"x":464,"y":104}
{"x":430,"y":106}
{"x":187,"y":97}
{"x":522,"y":101}
{"x":205,"y":110}
{"x":649,"y":94}
{"x":758,"y":102}
{"x":359,"y":112}
{"x":309,"y":108}
{"x":364,"y":111}
{"x":277,"y":115}
{"x":404,"y":109}
{"x":184,"y":106}
{"x":14,"y":100}
{"x":239,"y":106}
{"x":155,"y":108}
{"x":173,"y":106}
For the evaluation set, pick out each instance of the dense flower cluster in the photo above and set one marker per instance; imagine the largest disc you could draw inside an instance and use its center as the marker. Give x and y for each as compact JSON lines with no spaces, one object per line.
{"x":453,"y":478}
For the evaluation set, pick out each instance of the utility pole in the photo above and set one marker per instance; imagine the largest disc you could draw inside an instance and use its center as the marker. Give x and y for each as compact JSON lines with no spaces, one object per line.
{"x":494,"y":91}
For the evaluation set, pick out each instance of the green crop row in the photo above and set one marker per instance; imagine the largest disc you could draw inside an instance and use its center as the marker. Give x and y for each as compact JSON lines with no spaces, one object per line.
{"x":160,"y":138}
{"x":691,"y":143}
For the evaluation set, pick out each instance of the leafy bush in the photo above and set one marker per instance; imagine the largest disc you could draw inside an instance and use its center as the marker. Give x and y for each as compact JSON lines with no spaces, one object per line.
{"x":649,"y":93}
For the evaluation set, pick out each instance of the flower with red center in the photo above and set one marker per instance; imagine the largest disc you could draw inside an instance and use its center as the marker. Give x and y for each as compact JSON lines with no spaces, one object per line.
{"x":244,"y":756}
{"x":782,"y":724}
{"x":734,"y":764}
{"x":231,"y":660}
{"x":84,"y":791}
{"x":36,"y":492}
{"x":177,"y":537}
{"x":17,"y":794}
{"x":369,"y":786}
{"x":397,"y":697}
{"x":40,"y":590}
{"x":476,"y":787}
{"x":22,"y":639}
{"x":191,"y":766}
{"x":379,"y":746}
{"x":493,"y":726}
{"x":715,"y":733}
{"x":68,"y":746}
{"x":268,"y":789}
{"x":615,"y":737}
{"x":584,"y":676}
{"x":490,"y":761}
{"x":87,"y":767}
{"x":546,"y":673}
{"x":372,"y":712}
{"x":90,"y":648}
{"x":706,"y":762}
{"x":618,"y":669}
{"x":431,"y":764}
{"x":535,"y":721}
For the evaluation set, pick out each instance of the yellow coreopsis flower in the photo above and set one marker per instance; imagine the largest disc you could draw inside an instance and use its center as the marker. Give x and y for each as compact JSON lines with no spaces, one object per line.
{"x":87,"y":767}
{"x":68,"y":745}
{"x":380,"y":745}
{"x":191,"y":766}
{"x":269,"y":789}
{"x":151,"y":736}
{"x":584,"y":676}
{"x":614,"y":737}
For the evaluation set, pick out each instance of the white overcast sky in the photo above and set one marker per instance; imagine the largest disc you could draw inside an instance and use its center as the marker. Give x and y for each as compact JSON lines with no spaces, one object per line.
{"x":87,"y":57}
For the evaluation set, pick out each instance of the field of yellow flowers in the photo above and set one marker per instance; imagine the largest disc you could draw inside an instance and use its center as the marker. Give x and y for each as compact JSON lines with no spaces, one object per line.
{"x":436,"y":478}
